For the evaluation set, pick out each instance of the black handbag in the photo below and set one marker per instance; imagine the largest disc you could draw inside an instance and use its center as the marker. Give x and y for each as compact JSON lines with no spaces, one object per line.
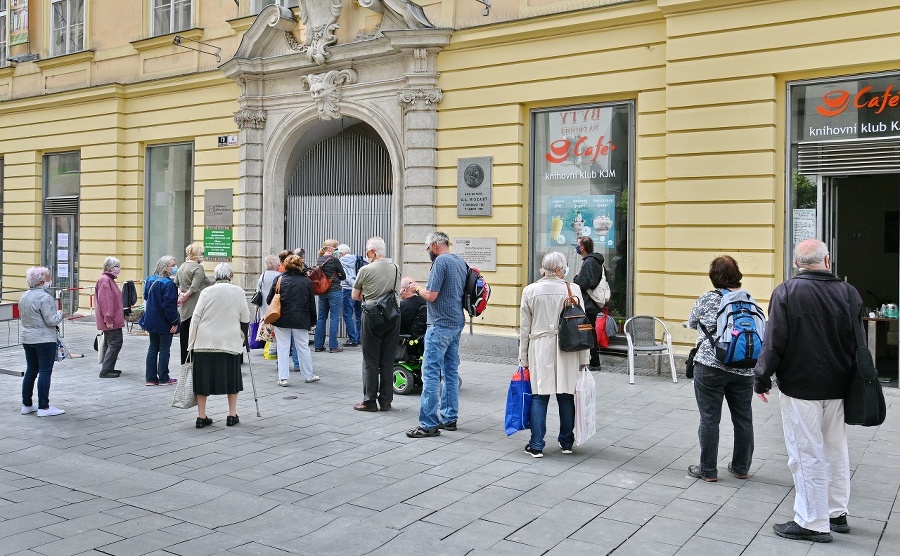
{"x":385,"y":310}
{"x":689,"y":364}
{"x":864,"y":401}
{"x":257,"y":299}
{"x":576,"y":332}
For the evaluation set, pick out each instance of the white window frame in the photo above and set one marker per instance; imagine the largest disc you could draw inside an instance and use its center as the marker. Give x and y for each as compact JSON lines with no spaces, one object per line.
{"x":257,"y":5}
{"x":67,"y":30}
{"x":171,"y":5}
{"x":4,"y":33}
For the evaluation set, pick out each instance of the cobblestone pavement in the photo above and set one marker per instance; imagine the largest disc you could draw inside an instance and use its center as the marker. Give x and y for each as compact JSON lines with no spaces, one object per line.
{"x":122,"y":473}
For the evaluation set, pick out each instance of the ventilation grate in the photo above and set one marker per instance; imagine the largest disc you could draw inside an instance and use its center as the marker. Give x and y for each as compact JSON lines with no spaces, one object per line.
{"x":881,"y":156}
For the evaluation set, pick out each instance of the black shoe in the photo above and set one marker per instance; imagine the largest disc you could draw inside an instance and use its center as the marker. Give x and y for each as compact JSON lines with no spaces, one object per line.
{"x":737,"y":473}
{"x":351,"y":344}
{"x":111,"y":374}
{"x":791,"y":530}
{"x":203,"y":422}
{"x":534,"y":453}
{"x":419,"y":432}
{"x":451,"y":426}
{"x":385,"y":407}
{"x":595,"y":368}
{"x":319,"y":350}
{"x":336,"y":350}
{"x":839,"y":524}
{"x":232,"y":421}
{"x":694,"y":471}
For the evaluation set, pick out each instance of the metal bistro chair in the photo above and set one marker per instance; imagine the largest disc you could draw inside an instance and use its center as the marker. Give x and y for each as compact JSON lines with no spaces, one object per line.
{"x":640,"y":331}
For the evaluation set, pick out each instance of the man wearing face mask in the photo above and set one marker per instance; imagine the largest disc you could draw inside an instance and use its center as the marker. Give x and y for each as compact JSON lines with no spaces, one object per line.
{"x":110,"y":316}
{"x":587,"y":279}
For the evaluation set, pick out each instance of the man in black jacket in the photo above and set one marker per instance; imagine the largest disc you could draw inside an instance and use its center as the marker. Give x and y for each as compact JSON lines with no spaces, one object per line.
{"x":587,"y":279}
{"x":809,"y":347}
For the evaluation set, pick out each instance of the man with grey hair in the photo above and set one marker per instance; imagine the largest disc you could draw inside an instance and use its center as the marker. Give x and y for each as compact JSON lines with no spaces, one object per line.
{"x":110,"y":316}
{"x":809,"y":346}
{"x":440,"y":361}
{"x":379,"y":278}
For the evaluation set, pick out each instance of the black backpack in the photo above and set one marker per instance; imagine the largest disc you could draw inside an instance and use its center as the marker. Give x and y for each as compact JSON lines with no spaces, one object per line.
{"x":475,"y":294}
{"x":129,"y":296}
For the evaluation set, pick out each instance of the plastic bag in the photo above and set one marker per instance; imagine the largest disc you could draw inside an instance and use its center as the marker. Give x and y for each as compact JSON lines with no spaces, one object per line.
{"x":518,"y":402}
{"x":185,"y":398}
{"x":267,"y":354}
{"x":585,"y":407}
{"x":605,"y":327}
{"x":61,"y":351}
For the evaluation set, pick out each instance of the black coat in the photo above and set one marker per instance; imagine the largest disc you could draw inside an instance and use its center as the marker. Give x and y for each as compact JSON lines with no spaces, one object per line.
{"x":298,"y":304}
{"x":333,"y":269}
{"x":587,"y":279}
{"x":810,"y":342}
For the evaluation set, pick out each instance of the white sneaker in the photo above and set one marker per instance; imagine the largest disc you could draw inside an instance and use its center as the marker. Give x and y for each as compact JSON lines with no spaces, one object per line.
{"x":282,"y":382}
{"x":565,"y":450}
{"x":26,"y":409}
{"x":50,"y":412}
{"x":314,"y":378}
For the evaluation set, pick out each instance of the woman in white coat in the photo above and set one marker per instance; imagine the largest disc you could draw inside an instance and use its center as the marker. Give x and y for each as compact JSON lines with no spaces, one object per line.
{"x":552,"y":371}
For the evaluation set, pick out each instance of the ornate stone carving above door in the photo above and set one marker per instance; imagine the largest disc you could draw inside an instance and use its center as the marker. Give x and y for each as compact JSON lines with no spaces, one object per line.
{"x":325,"y":89}
{"x":320,"y":19}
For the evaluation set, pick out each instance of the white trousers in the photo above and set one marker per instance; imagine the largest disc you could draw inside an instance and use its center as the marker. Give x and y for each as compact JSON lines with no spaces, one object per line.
{"x":816,"y":439}
{"x":301,"y":344}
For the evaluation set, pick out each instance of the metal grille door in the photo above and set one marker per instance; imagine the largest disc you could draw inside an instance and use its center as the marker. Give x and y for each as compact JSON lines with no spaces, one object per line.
{"x":341,"y":190}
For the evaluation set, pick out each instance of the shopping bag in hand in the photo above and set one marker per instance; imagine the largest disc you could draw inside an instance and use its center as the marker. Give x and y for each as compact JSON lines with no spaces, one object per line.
{"x":605,"y":327}
{"x":585,"y":407}
{"x":518,"y":402}
{"x":185,"y":398}
{"x":255,"y":342}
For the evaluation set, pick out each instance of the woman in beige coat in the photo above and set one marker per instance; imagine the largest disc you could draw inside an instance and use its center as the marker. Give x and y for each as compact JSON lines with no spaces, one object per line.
{"x":191,"y":279}
{"x":552,"y":371}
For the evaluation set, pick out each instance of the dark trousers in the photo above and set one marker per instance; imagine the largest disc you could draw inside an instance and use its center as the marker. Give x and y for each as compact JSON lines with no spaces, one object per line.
{"x":566,"y":404}
{"x":595,"y":353}
{"x":112,"y":345}
{"x":183,"y":332}
{"x":158,"y":357}
{"x":710,"y":387}
{"x":39,"y":359}
{"x":379,"y":345}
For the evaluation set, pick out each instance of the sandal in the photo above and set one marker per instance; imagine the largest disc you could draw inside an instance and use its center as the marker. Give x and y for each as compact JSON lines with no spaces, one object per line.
{"x":419,"y":432}
{"x":365,"y":407}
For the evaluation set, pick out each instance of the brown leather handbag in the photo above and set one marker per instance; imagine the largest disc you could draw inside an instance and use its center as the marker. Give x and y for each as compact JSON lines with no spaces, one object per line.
{"x":274,"y":311}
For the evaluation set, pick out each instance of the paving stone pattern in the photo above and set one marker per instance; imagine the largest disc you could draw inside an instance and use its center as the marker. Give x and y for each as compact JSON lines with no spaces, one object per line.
{"x":124,"y":474}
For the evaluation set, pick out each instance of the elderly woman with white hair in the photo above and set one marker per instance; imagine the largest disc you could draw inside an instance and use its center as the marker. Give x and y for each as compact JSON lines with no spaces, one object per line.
{"x":217,"y":339}
{"x":160,"y":320}
{"x":37,"y":332}
{"x":191,"y":279}
{"x":552,"y":371}
{"x":110,"y":316}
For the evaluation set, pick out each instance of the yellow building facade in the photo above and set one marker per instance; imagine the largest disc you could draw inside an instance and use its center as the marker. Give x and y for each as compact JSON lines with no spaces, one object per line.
{"x":700,"y":135}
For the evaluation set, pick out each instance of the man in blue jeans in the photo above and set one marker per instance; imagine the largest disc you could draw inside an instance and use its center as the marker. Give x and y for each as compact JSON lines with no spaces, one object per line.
{"x":444,"y":293}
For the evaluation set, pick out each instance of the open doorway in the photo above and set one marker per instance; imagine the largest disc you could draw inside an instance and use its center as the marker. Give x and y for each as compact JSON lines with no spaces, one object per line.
{"x":864,"y":239}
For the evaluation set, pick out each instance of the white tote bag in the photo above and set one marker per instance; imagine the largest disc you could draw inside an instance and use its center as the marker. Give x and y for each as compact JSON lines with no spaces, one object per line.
{"x":601,"y":293}
{"x":101,"y":341}
{"x":585,"y":407}
{"x":184,"y":391}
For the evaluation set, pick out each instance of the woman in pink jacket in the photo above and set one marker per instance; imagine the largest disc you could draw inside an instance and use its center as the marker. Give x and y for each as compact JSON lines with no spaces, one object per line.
{"x":110,"y":316}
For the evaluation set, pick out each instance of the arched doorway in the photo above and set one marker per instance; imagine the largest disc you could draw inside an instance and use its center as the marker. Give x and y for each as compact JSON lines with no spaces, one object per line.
{"x":341,"y":188}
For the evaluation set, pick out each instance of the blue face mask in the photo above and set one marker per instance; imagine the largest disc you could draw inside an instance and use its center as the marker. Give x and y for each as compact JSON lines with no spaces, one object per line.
{"x":578,"y":248}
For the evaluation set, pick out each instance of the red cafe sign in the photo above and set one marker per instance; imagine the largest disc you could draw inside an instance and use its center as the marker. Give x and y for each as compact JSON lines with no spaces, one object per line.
{"x":836,"y":101}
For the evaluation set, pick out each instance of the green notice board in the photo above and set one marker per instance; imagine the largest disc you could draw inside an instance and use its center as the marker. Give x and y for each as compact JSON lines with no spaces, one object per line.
{"x":217,"y":244}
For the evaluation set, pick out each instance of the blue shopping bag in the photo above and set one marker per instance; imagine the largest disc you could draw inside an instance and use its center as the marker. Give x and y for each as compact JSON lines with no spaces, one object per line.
{"x":252,"y":340}
{"x":518,"y":402}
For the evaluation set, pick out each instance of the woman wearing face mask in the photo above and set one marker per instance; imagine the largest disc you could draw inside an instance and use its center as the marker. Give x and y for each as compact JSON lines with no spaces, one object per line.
{"x":38,"y":336}
{"x":552,"y":371}
{"x":191,"y":279}
{"x":110,"y":316}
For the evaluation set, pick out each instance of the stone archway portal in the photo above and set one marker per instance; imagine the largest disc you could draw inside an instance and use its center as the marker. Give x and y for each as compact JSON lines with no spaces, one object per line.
{"x":341,"y":189}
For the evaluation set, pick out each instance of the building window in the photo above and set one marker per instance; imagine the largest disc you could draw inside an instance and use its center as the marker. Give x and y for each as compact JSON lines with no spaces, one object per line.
{"x":170,"y":16}
{"x":169,"y":201}
{"x":582,"y":175}
{"x":2,"y":187}
{"x":258,"y":5}
{"x":66,"y":27}
{"x":4,"y":33}
{"x":62,"y":186}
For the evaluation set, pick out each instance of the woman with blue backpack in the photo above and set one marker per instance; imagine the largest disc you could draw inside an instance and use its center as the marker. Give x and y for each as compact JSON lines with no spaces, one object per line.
{"x":731,"y":326}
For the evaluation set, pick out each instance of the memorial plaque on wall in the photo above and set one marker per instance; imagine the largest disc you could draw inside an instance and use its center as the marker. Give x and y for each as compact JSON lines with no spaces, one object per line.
{"x":480,"y":252}
{"x":474,"y":181}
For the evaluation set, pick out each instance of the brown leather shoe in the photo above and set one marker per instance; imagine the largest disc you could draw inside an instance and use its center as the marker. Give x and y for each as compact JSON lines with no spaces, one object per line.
{"x":365,"y":407}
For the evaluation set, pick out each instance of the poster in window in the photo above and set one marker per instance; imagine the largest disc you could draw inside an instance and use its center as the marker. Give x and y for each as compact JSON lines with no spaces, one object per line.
{"x":18,"y":22}
{"x":571,"y":218}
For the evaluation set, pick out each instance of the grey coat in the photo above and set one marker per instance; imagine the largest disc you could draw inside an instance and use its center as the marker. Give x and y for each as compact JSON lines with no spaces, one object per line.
{"x":39,"y":315}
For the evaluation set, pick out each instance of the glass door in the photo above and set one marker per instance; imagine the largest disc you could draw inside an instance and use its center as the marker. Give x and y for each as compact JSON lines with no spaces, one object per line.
{"x":61,"y":257}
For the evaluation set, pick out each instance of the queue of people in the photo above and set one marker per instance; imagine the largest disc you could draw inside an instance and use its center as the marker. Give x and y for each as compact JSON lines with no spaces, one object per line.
{"x":811,"y":309}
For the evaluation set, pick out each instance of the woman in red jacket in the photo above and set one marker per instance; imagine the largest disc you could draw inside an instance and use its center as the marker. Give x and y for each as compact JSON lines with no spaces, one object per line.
{"x":110,"y":316}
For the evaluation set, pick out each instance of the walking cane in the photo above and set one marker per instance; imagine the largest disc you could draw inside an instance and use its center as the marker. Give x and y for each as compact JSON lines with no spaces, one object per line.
{"x":252,"y":382}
